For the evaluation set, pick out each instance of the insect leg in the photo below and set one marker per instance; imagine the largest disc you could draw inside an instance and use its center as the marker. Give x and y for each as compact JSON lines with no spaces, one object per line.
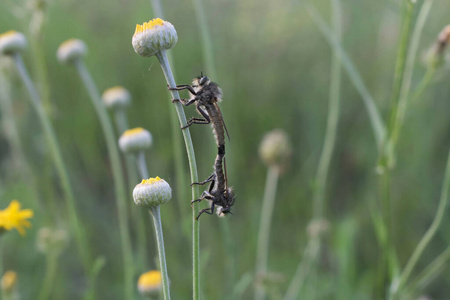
{"x":183,"y":87}
{"x":209,"y":211}
{"x":185,"y":102}
{"x":209,"y":179}
{"x":206,"y":120}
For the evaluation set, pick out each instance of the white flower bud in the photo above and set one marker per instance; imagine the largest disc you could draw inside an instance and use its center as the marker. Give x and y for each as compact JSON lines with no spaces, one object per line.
{"x":116,"y":97}
{"x":134,"y":140}
{"x":275,"y":148}
{"x":11,"y":42}
{"x":71,"y":50}
{"x":152,"y":192}
{"x":154,"y":36}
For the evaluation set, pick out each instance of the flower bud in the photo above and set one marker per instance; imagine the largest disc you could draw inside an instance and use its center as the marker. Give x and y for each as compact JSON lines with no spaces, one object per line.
{"x":152,"y":192}
{"x":149,"y":283}
{"x":71,"y":50}
{"x":275,"y":148}
{"x":134,"y":140}
{"x":12,"y":42}
{"x":9,"y":282}
{"x":116,"y":97}
{"x":154,"y":36}
{"x":435,"y":56}
{"x":52,"y":240}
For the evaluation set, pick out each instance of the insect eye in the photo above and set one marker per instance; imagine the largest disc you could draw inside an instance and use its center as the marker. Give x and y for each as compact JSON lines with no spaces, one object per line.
{"x":203,"y":80}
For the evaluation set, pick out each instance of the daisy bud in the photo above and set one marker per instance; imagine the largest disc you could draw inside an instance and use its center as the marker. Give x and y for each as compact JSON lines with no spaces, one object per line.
{"x":9,"y":282}
{"x":154,"y":36}
{"x":116,"y":98}
{"x":12,"y":42}
{"x":71,"y":50}
{"x":152,"y":192}
{"x":275,"y":148}
{"x":149,"y":283}
{"x":135,"y":140}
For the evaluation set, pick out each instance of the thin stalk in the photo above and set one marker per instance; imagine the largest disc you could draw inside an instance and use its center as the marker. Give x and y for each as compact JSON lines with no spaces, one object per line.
{"x":121,"y":120}
{"x":180,"y":169}
{"x":376,"y":121}
{"x":423,"y":85}
{"x":262,"y":251}
{"x":50,"y":272}
{"x":82,"y":242}
{"x":431,"y":271}
{"x":404,"y":276}
{"x":119,"y":181}
{"x":407,"y":16}
{"x":314,"y":243}
{"x":163,"y":60}
{"x":400,"y":111}
{"x":332,"y":120}
{"x":155,"y":212}
{"x":142,"y":165}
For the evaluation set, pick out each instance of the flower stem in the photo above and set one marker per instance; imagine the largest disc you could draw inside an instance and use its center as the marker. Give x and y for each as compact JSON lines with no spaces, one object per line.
{"x":50,"y":272}
{"x":155,"y":212}
{"x":142,"y":165}
{"x":121,"y":120}
{"x":404,"y":276}
{"x":52,"y":142}
{"x":162,"y":57}
{"x":264,"y":229}
{"x":119,"y":182}
{"x":405,"y":87}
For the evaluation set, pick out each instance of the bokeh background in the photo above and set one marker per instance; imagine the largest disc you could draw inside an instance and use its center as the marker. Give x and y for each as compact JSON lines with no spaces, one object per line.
{"x":273,"y":65}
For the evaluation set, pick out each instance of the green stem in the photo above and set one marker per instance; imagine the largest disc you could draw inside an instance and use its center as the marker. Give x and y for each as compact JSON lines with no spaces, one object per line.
{"x":423,"y":85}
{"x":163,"y":60}
{"x":265,"y":221}
{"x":376,"y":121}
{"x":408,"y":8}
{"x":180,"y":169}
{"x":119,"y":182}
{"x":142,"y":165}
{"x":404,"y":276}
{"x":332,"y":120}
{"x":400,"y":111}
{"x":82,"y":242}
{"x":121,"y":120}
{"x":155,"y":212}
{"x":50,"y":272}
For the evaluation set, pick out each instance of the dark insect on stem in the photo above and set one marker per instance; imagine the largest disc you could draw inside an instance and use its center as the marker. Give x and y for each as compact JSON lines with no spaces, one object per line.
{"x":206,"y":95}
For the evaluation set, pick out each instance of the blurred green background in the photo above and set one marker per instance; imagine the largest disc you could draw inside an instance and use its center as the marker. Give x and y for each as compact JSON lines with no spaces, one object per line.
{"x":273,"y":65}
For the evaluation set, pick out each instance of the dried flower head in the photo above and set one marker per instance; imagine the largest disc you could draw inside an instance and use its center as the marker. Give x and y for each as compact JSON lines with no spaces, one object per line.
{"x":116,"y":97}
{"x":435,"y":56}
{"x":152,"y":192}
{"x":9,"y":282}
{"x":52,"y":240}
{"x":12,"y":42}
{"x":134,"y":140}
{"x":275,"y":148}
{"x":12,"y":217}
{"x":154,"y":36}
{"x":149,"y":283}
{"x":71,"y":50}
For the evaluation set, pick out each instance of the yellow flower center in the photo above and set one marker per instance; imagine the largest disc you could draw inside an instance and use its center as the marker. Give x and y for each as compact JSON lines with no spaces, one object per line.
{"x":150,"y":180}
{"x":116,"y":88}
{"x":148,"y":25}
{"x":133,"y":131}
{"x":150,"y":279}
{"x":68,"y":42}
{"x":11,"y":32}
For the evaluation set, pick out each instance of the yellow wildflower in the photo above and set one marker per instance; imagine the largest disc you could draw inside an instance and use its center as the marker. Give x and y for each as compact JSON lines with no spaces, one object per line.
{"x":12,"y":217}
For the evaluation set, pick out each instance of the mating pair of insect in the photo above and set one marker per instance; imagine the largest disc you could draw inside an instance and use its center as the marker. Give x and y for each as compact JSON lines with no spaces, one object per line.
{"x":205,"y":94}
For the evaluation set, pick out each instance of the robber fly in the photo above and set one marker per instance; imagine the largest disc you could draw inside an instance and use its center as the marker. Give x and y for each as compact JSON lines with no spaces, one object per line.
{"x":206,"y":94}
{"x":219,"y":194}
